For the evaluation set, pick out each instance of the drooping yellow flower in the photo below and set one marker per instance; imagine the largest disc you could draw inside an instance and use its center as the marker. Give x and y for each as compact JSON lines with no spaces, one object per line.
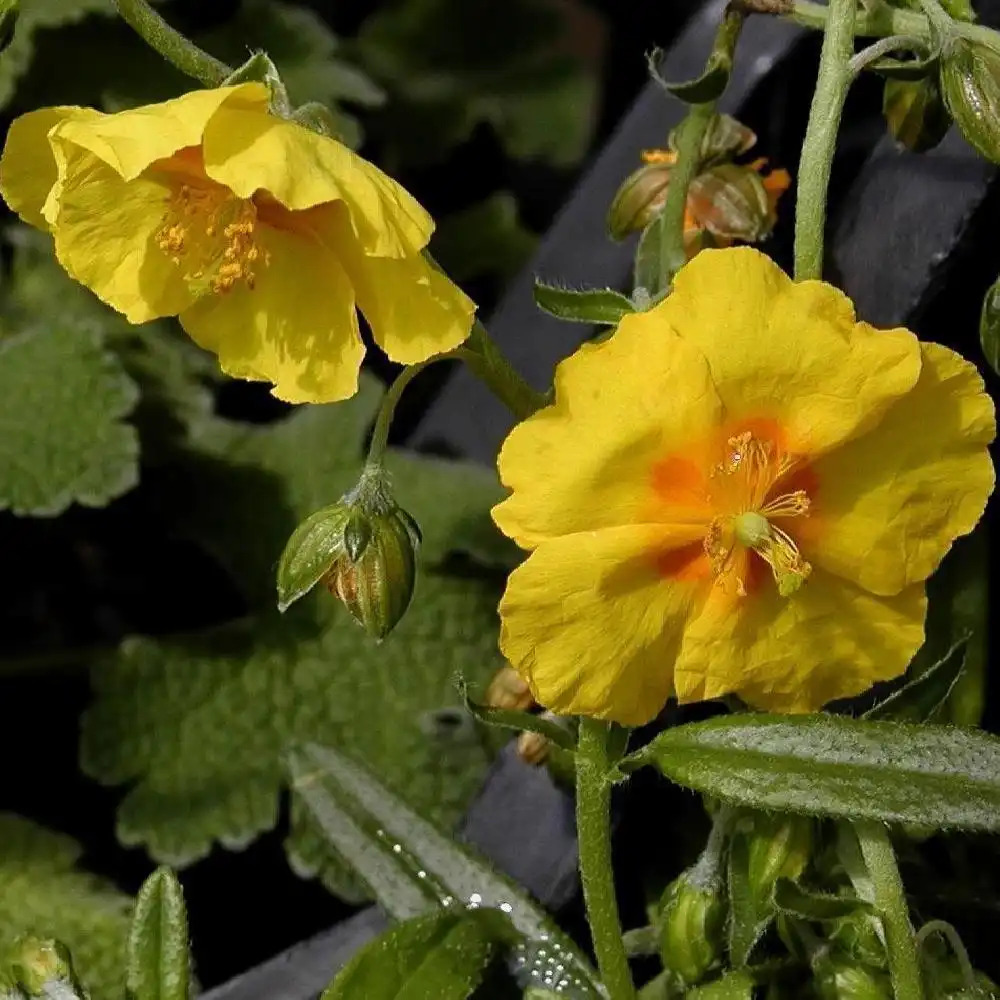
{"x":741,"y":490}
{"x":262,"y":236}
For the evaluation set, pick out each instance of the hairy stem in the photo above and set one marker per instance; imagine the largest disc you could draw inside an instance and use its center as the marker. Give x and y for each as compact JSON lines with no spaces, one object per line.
{"x":832,"y":82}
{"x":890,"y":901}
{"x":380,"y":434}
{"x":171,"y":44}
{"x":881,"y":48}
{"x":488,"y":363}
{"x":593,"y":830}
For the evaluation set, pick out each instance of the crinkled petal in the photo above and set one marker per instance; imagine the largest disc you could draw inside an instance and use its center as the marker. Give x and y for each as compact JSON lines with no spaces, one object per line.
{"x":592,"y":623}
{"x":105,"y":237}
{"x":297,"y":328}
{"x":610,"y":450}
{"x":28,"y":167}
{"x":788,"y":351}
{"x":129,"y":141}
{"x":889,"y":505}
{"x":247,"y":151}
{"x":414,"y":310}
{"x":829,"y":640}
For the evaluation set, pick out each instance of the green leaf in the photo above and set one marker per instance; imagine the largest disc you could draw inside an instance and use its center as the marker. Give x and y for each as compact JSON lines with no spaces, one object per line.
{"x":159,"y":964}
{"x":520,"y":77}
{"x":200,"y":746}
{"x":736,"y":985}
{"x":922,"y":698}
{"x":824,"y":765}
{"x":62,"y":438}
{"x":413,"y":868}
{"x":441,"y":955}
{"x":35,"y":15}
{"x":43,"y":893}
{"x":588,"y":305}
{"x":487,"y":238}
{"x":522,"y":722}
{"x":808,"y":904}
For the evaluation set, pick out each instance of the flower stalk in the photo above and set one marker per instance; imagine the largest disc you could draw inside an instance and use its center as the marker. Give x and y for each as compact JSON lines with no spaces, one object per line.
{"x":890,"y":901}
{"x":380,"y":433}
{"x":593,"y":830}
{"x":181,"y":52}
{"x":489,"y":364}
{"x":832,"y":82}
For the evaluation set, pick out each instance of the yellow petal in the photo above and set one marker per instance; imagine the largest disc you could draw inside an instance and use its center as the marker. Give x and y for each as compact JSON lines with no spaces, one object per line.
{"x":246,"y":151}
{"x":889,"y":505}
{"x":129,"y":141}
{"x":297,"y":327}
{"x":592,"y":624}
{"x":105,"y":237}
{"x":830,"y":640}
{"x":593,"y":459}
{"x":414,"y":310}
{"x":28,"y":167}
{"x":788,"y":351}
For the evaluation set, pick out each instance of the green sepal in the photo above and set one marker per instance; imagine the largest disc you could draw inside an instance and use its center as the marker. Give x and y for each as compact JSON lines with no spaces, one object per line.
{"x":599,"y":306}
{"x":316,"y":544}
{"x":159,"y":962}
{"x":357,"y":534}
{"x":793,"y":899}
{"x":915,"y":113}
{"x":970,"y":85}
{"x":260,"y":68}
{"x":989,"y":326}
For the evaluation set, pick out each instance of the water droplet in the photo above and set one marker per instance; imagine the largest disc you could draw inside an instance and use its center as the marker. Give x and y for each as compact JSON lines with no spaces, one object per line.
{"x":506,"y":907}
{"x":397,"y":848}
{"x":475,"y":899}
{"x":421,"y":874}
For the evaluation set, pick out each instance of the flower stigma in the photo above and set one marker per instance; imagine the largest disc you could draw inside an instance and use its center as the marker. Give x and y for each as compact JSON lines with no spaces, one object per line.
{"x":212,"y":236}
{"x":740,"y":490}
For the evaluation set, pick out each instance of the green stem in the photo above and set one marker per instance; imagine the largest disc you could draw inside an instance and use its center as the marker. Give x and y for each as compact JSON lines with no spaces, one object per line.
{"x":593,"y":830}
{"x":832,"y":82}
{"x":380,"y":434}
{"x":880,"y":48}
{"x":890,"y":901}
{"x":171,"y":44}
{"x":488,"y":363}
{"x":937,"y":17}
{"x":957,"y":946}
{"x":689,"y":137}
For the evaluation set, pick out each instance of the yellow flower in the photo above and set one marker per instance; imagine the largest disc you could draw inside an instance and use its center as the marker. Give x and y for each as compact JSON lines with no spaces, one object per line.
{"x":261,"y":235}
{"x":742,"y":490}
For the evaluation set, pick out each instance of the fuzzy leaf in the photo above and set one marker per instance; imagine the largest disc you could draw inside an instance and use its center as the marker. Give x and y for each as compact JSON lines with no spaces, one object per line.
{"x":197,"y":724}
{"x":36,"y":14}
{"x":827,"y":765}
{"x":583,"y":305}
{"x":441,"y":955}
{"x":62,"y":439}
{"x":159,"y":962}
{"x":519,"y":77}
{"x":43,"y":893}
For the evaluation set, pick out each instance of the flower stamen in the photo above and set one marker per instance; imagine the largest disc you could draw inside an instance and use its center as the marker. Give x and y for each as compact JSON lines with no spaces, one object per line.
{"x":212,"y":236}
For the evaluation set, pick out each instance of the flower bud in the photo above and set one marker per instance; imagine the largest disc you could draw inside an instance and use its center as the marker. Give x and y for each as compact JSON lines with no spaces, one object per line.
{"x":915,"y":113}
{"x":970,"y":85}
{"x":857,"y":937}
{"x":377,"y":587}
{"x":40,"y":967}
{"x":835,"y":979}
{"x":692,"y":916}
{"x":779,"y":847}
{"x":639,"y":200}
{"x":8,"y":20}
{"x":508,"y":690}
{"x":725,"y":139}
{"x":731,"y":202}
{"x":316,"y":544}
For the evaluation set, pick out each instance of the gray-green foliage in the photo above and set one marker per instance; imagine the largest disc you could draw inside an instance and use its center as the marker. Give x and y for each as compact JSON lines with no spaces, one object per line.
{"x":196,"y":724}
{"x":43,"y":893}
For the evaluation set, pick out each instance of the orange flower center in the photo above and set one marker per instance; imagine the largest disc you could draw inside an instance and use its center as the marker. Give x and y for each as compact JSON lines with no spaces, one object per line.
{"x":745,"y":492}
{"x":213,"y":237}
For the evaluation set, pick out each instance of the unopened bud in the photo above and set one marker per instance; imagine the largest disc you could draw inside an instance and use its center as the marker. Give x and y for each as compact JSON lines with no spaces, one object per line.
{"x":316,"y":544}
{"x":639,"y":200}
{"x":40,"y":967}
{"x":857,"y":937}
{"x":725,"y":139}
{"x":731,"y":202}
{"x":8,"y":21}
{"x":779,"y":847}
{"x":915,"y":113}
{"x":970,"y":85}
{"x":835,"y":979}
{"x":692,"y":916}
{"x":508,"y":690}
{"x":377,"y":588}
